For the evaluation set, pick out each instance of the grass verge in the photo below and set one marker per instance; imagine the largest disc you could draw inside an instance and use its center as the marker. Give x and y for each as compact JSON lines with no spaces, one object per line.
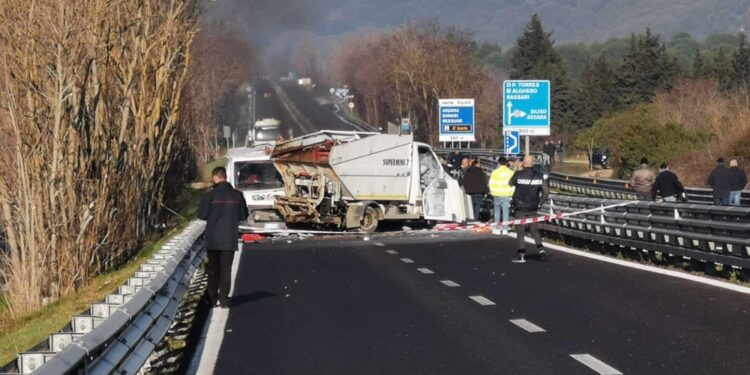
{"x":21,"y":334}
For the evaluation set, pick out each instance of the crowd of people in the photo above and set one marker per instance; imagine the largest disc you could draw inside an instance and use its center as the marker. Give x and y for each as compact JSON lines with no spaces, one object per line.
{"x":727,"y":183}
{"x":520,"y":186}
{"x":515,"y":185}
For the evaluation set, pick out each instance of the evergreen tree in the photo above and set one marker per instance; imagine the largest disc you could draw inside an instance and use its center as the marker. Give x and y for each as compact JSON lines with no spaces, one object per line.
{"x":701,"y":67}
{"x":722,"y":69}
{"x":740,"y":73}
{"x":647,"y":69}
{"x":534,"y":57}
{"x":598,"y":94}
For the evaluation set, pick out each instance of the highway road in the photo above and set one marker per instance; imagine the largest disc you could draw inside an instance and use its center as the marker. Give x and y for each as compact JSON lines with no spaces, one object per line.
{"x":453,"y":303}
{"x":299,"y":111}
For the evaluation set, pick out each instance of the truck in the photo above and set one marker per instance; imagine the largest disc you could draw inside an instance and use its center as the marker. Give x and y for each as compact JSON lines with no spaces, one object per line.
{"x":265,"y":131}
{"x":353,"y":180}
{"x":250,"y":170}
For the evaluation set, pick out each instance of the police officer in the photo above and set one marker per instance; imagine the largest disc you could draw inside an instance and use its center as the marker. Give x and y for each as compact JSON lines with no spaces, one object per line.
{"x":529,"y":183}
{"x":222,"y":208}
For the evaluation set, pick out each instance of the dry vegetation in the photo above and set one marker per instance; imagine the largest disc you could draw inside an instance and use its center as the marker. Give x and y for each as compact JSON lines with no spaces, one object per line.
{"x":722,"y":118}
{"x":88,"y":115}
{"x":220,"y":63}
{"x":403,"y":74}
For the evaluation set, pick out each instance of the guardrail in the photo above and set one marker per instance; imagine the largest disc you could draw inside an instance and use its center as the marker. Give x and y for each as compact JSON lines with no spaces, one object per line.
{"x":118,"y":335}
{"x":592,"y":186}
{"x":620,"y":189}
{"x":712,"y":235}
{"x":356,"y":123}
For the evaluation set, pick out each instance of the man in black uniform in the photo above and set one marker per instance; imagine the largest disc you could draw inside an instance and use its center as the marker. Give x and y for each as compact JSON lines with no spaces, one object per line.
{"x":454,"y":162}
{"x":222,"y":208}
{"x":529,"y":183}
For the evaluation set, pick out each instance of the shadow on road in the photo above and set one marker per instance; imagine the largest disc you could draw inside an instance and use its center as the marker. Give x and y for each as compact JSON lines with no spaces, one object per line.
{"x":252,"y":297}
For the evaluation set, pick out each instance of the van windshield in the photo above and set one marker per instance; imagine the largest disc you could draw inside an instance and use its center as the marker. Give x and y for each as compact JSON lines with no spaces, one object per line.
{"x":254,"y":175}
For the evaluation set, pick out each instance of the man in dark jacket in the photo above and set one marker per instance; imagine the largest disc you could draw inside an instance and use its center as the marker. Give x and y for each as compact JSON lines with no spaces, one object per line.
{"x":222,"y":208}
{"x":529,"y":184}
{"x":720,"y":180}
{"x":667,"y":185}
{"x":738,"y":183}
{"x":475,"y":185}
{"x":454,"y":161}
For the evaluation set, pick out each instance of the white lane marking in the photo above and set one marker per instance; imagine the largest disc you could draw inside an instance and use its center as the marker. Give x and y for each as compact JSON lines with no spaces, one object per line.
{"x":527,"y":325}
{"x":450,"y":284}
{"x":217,"y":322}
{"x":591,"y":362}
{"x":407,"y":260}
{"x":647,"y":268}
{"x":379,"y":244}
{"x":482,"y":301}
{"x":425,"y":271}
{"x":392,"y":252}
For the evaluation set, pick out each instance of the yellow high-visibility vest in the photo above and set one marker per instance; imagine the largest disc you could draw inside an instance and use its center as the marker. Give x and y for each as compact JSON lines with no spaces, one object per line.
{"x":499,"y":186}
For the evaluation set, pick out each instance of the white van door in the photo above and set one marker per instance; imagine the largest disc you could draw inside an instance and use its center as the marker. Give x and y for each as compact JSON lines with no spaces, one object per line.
{"x":444,"y":200}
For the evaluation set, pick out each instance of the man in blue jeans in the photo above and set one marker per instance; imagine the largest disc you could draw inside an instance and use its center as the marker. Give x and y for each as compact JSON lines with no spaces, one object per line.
{"x":502,"y":193}
{"x":738,"y":182}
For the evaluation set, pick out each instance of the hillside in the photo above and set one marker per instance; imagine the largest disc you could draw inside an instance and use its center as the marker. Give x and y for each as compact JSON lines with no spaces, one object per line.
{"x":500,"y":21}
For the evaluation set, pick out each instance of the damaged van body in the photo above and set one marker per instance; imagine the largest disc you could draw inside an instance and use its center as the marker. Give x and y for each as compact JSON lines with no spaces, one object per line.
{"x":355,"y":180}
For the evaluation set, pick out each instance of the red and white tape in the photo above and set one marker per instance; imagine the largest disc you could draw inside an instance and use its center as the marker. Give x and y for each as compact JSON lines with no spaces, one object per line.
{"x":530,"y":220}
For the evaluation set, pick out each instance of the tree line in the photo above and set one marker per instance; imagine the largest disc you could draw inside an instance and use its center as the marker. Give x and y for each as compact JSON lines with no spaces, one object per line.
{"x":405,"y":72}
{"x":592,"y":84}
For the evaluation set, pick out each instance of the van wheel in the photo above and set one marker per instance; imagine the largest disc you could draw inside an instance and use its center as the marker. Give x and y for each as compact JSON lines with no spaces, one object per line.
{"x":369,"y":223}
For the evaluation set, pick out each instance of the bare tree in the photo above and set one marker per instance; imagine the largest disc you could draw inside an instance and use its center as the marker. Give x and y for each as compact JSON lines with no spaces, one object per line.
{"x":405,"y":73}
{"x":221,"y":63}
{"x":91,"y":93}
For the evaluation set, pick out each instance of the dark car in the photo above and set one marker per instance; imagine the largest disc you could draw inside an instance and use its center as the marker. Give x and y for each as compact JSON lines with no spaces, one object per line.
{"x":601,"y":158}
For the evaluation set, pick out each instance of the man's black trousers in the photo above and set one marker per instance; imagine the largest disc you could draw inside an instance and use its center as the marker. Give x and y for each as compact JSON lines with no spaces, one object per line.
{"x":219,"y":275}
{"x":521,"y":231}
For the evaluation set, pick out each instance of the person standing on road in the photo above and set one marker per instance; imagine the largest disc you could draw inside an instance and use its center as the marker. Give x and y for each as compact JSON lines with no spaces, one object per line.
{"x":502,"y":193}
{"x":643,"y":180}
{"x":529,"y":184}
{"x":454,"y":162}
{"x":667,"y":185}
{"x":475,"y":185}
{"x":222,"y":208}
{"x":720,"y":180}
{"x":465,"y":164}
{"x":560,"y":151}
{"x":738,"y":183}
{"x":547,"y":153}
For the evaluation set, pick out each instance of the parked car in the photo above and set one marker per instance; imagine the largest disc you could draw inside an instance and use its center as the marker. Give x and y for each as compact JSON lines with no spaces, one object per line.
{"x":601,"y":158}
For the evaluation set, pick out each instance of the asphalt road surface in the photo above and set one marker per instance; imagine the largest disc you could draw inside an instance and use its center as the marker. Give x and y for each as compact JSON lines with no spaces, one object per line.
{"x":455,"y":304}
{"x":300,"y":112}
{"x":269,"y":105}
{"x":317,"y":108}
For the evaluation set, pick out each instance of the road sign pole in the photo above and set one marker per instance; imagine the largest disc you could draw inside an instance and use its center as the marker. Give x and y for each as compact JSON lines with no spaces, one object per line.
{"x":528,"y":145}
